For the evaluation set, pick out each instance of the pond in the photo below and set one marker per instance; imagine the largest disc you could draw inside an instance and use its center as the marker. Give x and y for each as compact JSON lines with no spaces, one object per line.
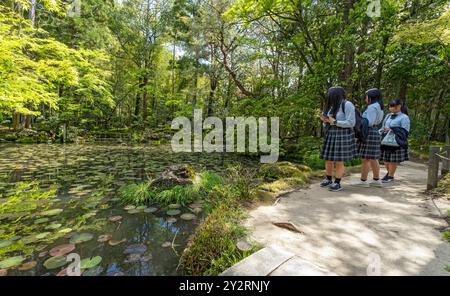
{"x":57,"y":200}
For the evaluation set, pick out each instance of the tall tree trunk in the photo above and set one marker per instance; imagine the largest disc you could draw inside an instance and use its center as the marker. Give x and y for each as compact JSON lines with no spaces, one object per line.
{"x":349,"y":56}
{"x":403,"y":89}
{"x":144,"y":99}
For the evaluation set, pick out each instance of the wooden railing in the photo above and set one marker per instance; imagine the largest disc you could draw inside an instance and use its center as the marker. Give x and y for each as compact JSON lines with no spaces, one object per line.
{"x":435,"y":157}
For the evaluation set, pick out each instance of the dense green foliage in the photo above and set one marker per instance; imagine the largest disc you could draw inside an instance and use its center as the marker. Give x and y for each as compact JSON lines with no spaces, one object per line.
{"x":137,"y":64}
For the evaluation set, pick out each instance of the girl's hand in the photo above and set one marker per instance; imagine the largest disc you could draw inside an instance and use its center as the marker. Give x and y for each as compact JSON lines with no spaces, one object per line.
{"x":323,"y":118}
{"x":331,"y":120}
{"x":386,"y":129}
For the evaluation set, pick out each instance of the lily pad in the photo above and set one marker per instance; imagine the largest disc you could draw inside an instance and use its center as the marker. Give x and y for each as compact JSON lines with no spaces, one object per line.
{"x":129,"y":207}
{"x":136,"y":248}
{"x":95,"y":271}
{"x":188,"y":216}
{"x":116,"y":242}
{"x":14,"y":238}
{"x":65,"y":230}
{"x":115,"y":218}
{"x":42,"y":254}
{"x":55,"y":262}
{"x":62,"y":250}
{"x":27,"y":265}
{"x":90,"y":262}
{"x":30,"y":239}
{"x":53,"y":212}
{"x":3,"y":272}
{"x":166,"y":244}
{"x":104,"y":238}
{"x":42,"y":235}
{"x":197,"y":210}
{"x":150,"y":210}
{"x":173,"y":212}
{"x":141,"y":207}
{"x":5,"y":243}
{"x":134,"y":211}
{"x":81,"y":237}
{"x":11,"y":262}
{"x":41,"y":220}
{"x":174,"y":206}
{"x":53,"y":226}
{"x":172,"y":220}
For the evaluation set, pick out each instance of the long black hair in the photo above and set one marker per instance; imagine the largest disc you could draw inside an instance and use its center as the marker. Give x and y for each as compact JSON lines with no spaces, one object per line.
{"x":397,"y":102}
{"x":335,"y":96}
{"x":374,"y":95}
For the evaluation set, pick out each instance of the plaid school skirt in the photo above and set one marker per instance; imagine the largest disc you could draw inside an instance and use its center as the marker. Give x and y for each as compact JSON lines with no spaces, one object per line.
{"x":339,"y":144}
{"x":371,"y":148}
{"x":397,"y":156}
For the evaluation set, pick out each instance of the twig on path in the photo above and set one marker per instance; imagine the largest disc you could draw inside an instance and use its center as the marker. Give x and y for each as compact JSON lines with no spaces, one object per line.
{"x":289,"y":226}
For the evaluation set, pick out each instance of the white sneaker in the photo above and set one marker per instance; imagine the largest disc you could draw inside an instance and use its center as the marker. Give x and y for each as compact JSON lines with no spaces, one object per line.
{"x":376,"y":183}
{"x":360,"y":183}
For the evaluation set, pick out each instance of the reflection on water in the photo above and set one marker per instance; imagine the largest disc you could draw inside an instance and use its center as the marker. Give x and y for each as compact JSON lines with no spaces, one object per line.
{"x":82,"y":181}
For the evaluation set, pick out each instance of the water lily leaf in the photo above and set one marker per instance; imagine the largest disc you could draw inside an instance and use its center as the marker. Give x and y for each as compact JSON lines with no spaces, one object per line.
{"x":42,"y":254}
{"x":150,"y":210}
{"x":62,"y":250}
{"x":129,"y":207}
{"x":115,"y":218}
{"x":166,"y":244}
{"x":174,"y":206}
{"x":197,"y":210}
{"x":188,"y":216}
{"x":3,"y":272}
{"x":5,"y":243}
{"x":53,"y":226}
{"x":141,"y":207}
{"x":53,"y":212}
{"x":42,"y":235}
{"x":172,"y":220}
{"x":173,"y":212}
{"x":116,"y":242}
{"x":30,"y":239}
{"x":14,"y":238}
{"x":95,"y":271}
{"x":90,"y":262}
{"x":55,"y":262}
{"x":134,"y":211}
{"x":41,"y":220}
{"x":81,"y":237}
{"x":104,"y":238}
{"x":136,"y":248}
{"x":27,"y":266}
{"x":11,"y":262}
{"x":65,"y":230}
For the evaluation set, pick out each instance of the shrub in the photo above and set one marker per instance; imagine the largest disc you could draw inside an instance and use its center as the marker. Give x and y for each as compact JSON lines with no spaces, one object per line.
{"x":136,"y":193}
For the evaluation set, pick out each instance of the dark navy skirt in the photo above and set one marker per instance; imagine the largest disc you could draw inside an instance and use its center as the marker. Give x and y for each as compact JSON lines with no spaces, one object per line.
{"x":397,"y":156}
{"x":339,"y":144}
{"x":371,"y":148}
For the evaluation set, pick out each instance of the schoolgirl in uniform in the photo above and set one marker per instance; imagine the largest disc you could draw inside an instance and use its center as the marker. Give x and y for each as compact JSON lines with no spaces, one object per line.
{"x":397,"y":121}
{"x":369,"y":151}
{"x":339,"y":142}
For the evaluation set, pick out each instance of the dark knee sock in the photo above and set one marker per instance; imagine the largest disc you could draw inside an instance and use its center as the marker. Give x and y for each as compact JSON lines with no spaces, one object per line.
{"x":337,"y":180}
{"x":329,"y":177}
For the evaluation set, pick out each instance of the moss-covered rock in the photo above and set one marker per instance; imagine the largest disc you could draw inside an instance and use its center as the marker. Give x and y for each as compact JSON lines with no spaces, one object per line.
{"x":284,"y":169}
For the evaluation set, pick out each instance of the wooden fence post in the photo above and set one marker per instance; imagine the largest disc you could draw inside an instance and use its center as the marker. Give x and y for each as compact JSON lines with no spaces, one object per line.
{"x":433,"y":168}
{"x":445,"y":161}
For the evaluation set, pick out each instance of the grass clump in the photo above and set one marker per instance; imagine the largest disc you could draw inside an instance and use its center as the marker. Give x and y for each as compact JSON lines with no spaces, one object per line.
{"x":443,"y":187}
{"x":137,"y":194}
{"x":212,"y":248}
{"x":144,"y":193}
